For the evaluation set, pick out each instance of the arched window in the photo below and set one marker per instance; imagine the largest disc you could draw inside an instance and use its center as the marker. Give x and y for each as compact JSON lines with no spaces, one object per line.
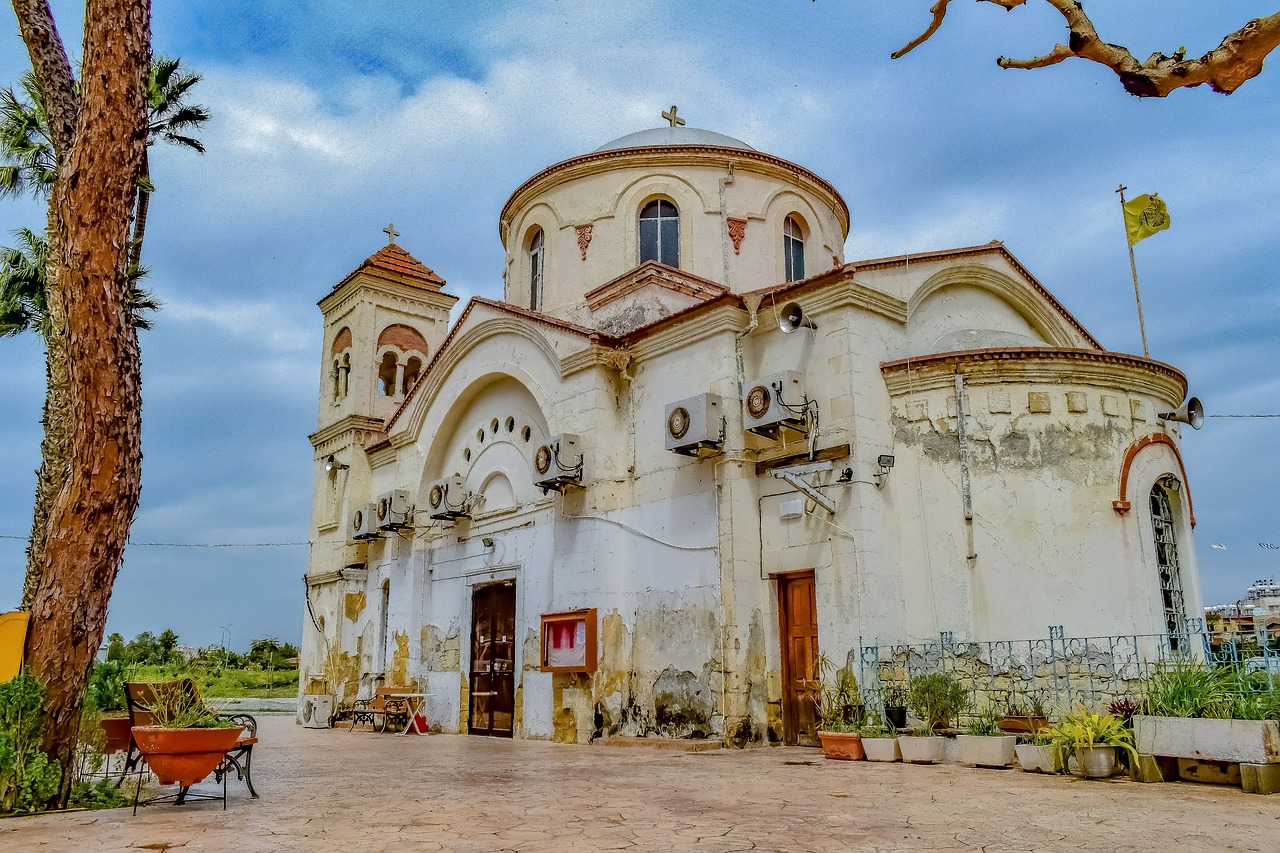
{"x":536,"y":253}
{"x":793,"y":248}
{"x":412,"y":370}
{"x":660,"y":233}
{"x":1162,"y":522}
{"x":387,"y":374}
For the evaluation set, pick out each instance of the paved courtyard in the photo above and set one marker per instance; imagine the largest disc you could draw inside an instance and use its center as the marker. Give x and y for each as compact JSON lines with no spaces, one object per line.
{"x":333,"y":790}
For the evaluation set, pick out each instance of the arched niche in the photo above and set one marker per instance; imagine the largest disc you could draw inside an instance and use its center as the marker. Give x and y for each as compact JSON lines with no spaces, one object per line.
{"x":494,"y":462}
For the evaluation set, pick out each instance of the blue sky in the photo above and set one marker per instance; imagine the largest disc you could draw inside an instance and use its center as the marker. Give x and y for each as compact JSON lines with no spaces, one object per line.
{"x":330,"y":122}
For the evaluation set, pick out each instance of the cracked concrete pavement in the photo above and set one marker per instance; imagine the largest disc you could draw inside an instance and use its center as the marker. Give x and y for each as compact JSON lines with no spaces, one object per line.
{"x":336,"y":790}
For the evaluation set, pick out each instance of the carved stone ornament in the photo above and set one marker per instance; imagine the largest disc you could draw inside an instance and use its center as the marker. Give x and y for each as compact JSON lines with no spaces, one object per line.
{"x":584,"y":238}
{"x":737,"y":230}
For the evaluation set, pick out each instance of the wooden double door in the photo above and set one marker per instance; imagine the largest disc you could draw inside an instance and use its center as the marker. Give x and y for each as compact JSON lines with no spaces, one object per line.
{"x":493,"y":645}
{"x":798,"y":630}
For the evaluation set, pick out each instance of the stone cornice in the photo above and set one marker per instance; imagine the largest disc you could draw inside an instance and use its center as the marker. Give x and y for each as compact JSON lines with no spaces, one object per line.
{"x":672,"y":155}
{"x":388,"y":285}
{"x":347,"y":427}
{"x":722,"y":318}
{"x":839,"y":289}
{"x":658,"y":275}
{"x":1036,"y":365}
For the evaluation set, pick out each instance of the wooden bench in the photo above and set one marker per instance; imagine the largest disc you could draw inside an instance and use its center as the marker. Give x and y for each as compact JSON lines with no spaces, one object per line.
{"x":381,"y":709}
{"x":140,"y":697}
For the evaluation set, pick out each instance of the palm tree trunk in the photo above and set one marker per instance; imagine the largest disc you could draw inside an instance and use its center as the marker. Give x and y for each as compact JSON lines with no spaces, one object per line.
{"x":140,"y":214}
{"x":100,"y":136}
{"x":55,"y":453}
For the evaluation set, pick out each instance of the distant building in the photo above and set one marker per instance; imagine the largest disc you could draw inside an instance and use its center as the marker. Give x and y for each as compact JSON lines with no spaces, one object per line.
{"x":1258,"y":611}
{"x":693,"y":446}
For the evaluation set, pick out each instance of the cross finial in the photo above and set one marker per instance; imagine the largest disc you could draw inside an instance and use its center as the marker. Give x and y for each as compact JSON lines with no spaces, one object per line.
{"x":391,"y":233}
{"x":671,"y":116}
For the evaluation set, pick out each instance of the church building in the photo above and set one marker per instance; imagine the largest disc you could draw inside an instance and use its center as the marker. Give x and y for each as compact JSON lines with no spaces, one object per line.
{"x":694,"y":447}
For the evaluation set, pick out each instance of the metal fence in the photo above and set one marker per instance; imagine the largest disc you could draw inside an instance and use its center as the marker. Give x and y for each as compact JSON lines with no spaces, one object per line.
{"x":1056,"y":672}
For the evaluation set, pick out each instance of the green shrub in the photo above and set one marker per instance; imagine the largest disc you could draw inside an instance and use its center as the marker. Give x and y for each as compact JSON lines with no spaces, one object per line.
{"x":1184,"y":687}
{"x":105,"y":691}
{"x":935,"y":698}
{"x":1082,"y":728}
{"x":985,"y":723}
{"x":28,"y":778}
{"x":97,"y":794}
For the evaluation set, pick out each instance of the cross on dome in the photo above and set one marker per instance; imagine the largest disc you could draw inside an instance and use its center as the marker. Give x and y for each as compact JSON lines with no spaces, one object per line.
{"x":391,"y":233}
{"x":672,"y":117}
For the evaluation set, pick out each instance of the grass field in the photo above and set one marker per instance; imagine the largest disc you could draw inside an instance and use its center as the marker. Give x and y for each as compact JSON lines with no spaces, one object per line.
{"x":229,"y":683}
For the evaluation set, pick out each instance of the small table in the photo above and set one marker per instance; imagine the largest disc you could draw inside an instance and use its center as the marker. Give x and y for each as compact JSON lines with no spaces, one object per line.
{"x":416,"y":702}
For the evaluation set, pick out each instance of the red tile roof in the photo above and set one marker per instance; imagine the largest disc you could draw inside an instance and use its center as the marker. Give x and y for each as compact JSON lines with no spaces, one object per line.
{"x":395,"y":260}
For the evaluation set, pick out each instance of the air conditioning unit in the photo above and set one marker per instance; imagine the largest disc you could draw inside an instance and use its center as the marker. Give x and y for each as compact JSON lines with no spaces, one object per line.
{"x":558,"y":463}
{"x":364,"y":522}
{"x":394,"y":510}
{"x":448,"y":499}
{"x":317,"y":712}
{"x":695,"y":427}
{"x":774,"y":403}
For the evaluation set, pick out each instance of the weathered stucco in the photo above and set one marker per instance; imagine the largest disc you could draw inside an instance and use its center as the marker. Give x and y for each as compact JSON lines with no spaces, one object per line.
{"x":679,"y":555}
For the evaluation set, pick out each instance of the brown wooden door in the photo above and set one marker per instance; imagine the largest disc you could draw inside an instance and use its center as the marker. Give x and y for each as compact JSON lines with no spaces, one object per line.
{"x":493,"y":643}
{"x":798,"y":615}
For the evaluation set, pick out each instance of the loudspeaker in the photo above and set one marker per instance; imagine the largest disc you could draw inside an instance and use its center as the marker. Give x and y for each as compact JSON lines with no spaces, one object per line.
{"x":1190,"y":412}
{"x":792,"y":318}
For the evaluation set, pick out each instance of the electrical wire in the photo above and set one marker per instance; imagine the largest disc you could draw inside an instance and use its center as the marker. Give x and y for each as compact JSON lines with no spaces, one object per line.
{"x":195,"y":544}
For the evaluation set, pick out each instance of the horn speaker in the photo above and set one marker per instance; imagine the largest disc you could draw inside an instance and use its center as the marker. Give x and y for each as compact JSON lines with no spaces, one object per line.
{"x":1190,"y":412}
{"x":792,"y":317}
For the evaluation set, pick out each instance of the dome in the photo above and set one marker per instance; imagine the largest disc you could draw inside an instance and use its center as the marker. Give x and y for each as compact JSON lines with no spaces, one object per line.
{"x":674,"y":136}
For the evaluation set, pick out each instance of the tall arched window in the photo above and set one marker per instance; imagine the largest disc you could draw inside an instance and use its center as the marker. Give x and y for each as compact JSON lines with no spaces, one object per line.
{"x":536,"y":252}
{"x":1162,"y":522}
{"x":793,"y":248}
{"x":660,"y":233}
{"x":387,"y":374}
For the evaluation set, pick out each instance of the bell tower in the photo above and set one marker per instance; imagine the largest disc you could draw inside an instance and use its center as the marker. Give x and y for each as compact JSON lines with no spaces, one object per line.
{"x":382,"y":325}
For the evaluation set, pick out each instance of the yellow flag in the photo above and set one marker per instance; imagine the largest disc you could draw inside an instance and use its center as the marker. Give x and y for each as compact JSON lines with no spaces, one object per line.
{"x":1144,"y":216}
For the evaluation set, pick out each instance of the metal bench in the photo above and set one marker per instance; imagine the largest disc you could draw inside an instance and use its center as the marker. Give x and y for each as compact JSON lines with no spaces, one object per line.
{"x":381,"y":709}
{"x":141,"y":696}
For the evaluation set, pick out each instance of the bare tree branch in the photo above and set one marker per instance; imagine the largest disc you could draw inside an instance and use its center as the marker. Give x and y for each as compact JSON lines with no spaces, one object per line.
{"x":939,"y":11}
{"x":1238,"y":58}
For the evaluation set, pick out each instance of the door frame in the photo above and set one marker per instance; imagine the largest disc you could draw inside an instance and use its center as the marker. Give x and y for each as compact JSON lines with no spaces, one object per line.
{"x":475,"y":590}
{"x":790,"y":735}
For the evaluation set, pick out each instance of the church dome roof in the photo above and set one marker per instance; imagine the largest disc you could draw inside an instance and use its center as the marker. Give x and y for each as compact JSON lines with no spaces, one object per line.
{"x":674,"y":136}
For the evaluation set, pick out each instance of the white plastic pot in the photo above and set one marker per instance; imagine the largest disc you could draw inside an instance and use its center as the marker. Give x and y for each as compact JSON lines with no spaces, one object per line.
{"x":923,"y":750}
{"x":985,"y":751}
{"x":881,"y":748}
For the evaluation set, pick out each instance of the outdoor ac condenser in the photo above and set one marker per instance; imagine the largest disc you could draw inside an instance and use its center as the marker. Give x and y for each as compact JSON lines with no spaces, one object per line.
{"x":317,"y":712}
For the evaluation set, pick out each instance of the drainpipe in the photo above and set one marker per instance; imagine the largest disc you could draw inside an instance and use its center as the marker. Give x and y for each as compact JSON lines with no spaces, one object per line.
{"x":965,"y":492}
{"x":724,"y":225}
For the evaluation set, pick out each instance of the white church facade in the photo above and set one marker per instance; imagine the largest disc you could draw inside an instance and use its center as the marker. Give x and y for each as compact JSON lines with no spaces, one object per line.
{"x":694,"y":447}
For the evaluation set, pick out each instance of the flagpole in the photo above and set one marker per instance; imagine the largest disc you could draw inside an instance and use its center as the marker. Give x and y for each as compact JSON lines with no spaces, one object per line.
{"x":1133,"y":266}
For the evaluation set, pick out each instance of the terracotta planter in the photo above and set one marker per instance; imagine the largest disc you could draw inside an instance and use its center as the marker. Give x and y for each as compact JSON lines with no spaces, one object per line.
{"x":184,"y":756}
{"x":1028,"y":724}
{"x":843,"y":746}
{"x":923,"y":750}
{"x":982,"y":751}
{"x":117,"y":731}
{"x":881,"y":748}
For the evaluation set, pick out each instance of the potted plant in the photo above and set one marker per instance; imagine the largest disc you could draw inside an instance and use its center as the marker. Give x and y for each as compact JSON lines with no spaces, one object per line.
{"x":1025,"y":716}
{"x":104,"y":697}
{"x":984,"y":744}
{"x":895,"y":706}
{"x":879,"y":740}
{"x":935,"y":698}
{"x":1038,"y":754}
{"x":185,"y":741}
{"x":835,"y":698}
{"x":1209,"y":713}
{"x":1092,"y":741}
